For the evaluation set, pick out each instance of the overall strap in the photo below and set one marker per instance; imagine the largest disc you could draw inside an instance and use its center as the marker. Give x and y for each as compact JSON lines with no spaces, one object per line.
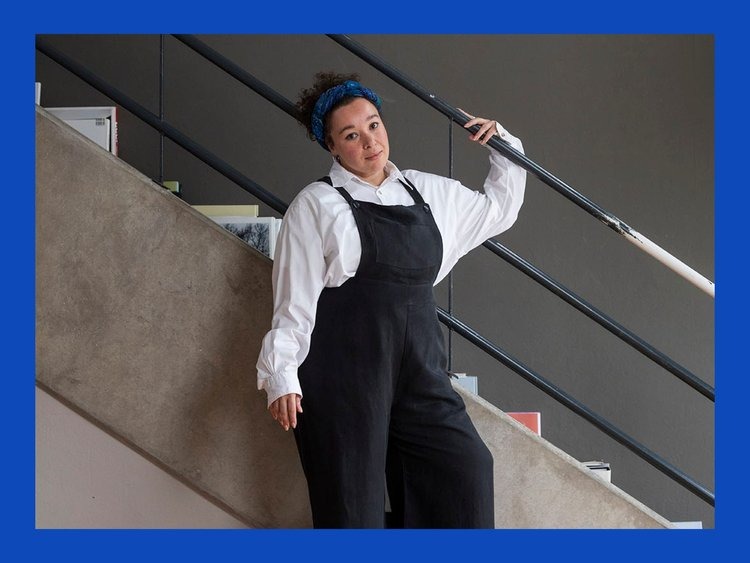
{"x":341,"y":190}
{"x":415,"y":195}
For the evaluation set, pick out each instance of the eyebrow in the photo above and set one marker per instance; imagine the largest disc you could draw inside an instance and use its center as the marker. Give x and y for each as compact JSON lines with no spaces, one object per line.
{"x":369,"y":118}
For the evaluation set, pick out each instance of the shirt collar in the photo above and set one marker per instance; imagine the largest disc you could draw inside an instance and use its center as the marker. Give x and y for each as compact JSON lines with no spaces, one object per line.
{"x":340,"y":176}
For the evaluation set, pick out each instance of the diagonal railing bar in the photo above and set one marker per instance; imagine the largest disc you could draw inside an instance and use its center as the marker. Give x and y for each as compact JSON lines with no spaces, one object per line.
{"x":448,"y":320}
{"x":162,"y":126}
{"x":576,"y":406}
{"x":239,"y":73}
{"x":519,"y":158}
{"x":593,"y":313}
{"x":615,"y":328}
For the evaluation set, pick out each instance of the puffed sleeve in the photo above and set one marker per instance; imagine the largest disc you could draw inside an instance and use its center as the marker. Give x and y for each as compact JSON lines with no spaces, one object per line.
{"x":467,"y":217}
{"x":298,"y":279}
{"x":483,"y":216}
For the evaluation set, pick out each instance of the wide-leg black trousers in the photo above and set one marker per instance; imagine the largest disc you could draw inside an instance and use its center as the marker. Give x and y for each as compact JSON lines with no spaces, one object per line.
{"x":378,"y":403}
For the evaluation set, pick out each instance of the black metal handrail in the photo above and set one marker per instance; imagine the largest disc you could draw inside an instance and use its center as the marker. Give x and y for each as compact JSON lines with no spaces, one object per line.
{"x":576,"y":406}
{"x":607,"y":322}
{"x":239,"y":73}
{"x":558,"y":289}
{"x":450,"y":321}
{"x":162,"y":126}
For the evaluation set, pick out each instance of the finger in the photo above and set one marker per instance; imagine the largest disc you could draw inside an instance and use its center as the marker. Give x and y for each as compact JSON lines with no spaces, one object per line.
{"x":485,"y":132}
{"x":291,"y":410}
{"x":299,"y":403}
{"x":283,"y":415}
{"x":491,"y":131}
{"x":274,"y":408}
{"x":482,"y":128}
{"x":466,"y":113}
{"x":475,"y":121}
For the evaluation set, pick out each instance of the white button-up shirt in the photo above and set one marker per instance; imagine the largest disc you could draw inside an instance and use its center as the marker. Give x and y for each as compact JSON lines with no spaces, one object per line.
{"x":318,"y":246}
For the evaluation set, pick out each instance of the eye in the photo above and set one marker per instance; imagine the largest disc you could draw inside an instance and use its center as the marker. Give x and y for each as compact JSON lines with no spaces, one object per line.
{"x":374,"y":125}
{"x":350,"y":136}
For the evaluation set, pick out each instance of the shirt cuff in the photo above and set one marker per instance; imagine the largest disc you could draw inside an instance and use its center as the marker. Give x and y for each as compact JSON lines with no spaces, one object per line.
{"x":279,"y":385}
{"x":506,"y":136}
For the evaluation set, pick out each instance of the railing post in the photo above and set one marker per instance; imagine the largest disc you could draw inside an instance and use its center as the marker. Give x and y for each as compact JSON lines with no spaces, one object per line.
{"x":161,"y":108}
{"x":450,"y":274}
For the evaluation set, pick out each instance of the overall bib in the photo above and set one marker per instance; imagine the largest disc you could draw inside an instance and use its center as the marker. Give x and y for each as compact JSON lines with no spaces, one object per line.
{"x":378,"y":401}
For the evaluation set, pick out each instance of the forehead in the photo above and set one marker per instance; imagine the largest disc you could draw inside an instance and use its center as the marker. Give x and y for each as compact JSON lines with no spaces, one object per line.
{"x":356,"y":111}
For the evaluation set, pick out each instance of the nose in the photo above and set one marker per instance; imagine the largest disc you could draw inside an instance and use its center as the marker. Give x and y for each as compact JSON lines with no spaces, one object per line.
{"x":367,"y":140}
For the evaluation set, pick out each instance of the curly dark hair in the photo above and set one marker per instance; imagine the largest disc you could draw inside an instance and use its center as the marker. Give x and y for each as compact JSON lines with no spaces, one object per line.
{"x":324,"y":80}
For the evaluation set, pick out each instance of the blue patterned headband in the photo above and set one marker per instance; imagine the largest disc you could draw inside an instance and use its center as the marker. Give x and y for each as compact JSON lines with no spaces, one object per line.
{"x":332,"y":96}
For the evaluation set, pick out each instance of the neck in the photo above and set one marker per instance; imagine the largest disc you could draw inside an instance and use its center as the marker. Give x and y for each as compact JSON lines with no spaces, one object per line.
{"x":376,"y":179}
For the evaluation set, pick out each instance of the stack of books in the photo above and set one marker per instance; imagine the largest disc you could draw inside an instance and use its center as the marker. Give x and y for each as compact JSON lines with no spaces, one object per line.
{"x":600,"y":469}
{"x":243,"y":221}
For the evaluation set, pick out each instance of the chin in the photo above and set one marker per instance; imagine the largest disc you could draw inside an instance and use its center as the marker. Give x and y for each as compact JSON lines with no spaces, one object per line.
{"x":378,"y":162}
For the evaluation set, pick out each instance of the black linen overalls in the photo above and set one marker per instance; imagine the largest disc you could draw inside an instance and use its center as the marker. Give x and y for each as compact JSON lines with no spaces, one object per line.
{"x":377,"y":395}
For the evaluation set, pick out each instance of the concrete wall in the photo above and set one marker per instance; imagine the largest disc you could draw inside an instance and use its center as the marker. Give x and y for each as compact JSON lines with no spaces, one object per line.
{"x":85,"y":478}
{"x":149,"y":319}
{"x":626,"y":120}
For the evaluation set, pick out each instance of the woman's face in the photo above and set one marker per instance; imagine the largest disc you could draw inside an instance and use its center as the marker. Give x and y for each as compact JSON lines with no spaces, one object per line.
{"x":358,"y":137}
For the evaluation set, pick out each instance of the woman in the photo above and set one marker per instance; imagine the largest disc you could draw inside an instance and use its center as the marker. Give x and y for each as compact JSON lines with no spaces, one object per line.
{"x":355,"y":331}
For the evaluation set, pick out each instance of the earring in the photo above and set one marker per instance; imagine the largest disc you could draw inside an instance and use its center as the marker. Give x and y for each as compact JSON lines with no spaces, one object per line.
{"x":337,"y":158}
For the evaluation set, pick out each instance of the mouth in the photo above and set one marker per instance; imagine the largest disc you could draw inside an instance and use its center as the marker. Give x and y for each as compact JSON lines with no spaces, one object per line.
{"x":373,"y":157}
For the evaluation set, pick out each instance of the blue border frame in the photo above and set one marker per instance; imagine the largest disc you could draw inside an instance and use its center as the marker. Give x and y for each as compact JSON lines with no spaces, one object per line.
{"x":545,"y":17}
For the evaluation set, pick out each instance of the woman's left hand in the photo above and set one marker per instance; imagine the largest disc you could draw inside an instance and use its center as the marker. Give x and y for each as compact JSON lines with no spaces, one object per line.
{"x":284,"y":410}
{"x":487,"y":128}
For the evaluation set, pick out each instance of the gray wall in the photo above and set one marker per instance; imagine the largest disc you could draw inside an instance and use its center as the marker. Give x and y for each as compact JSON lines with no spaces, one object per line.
{"x":625,"y":120}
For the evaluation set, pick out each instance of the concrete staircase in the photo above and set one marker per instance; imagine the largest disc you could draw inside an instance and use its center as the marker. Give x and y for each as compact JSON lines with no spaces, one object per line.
{"x":149,"y":322}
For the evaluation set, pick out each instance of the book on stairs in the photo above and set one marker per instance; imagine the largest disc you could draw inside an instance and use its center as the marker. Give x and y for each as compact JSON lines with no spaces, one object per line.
{"x":532,"y":420}
{"x":468,"y":382}
{"x":173,"y":186}
{"x":227,"y":210}
{"x":258,"y":232}
{"x":97,"y":123}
